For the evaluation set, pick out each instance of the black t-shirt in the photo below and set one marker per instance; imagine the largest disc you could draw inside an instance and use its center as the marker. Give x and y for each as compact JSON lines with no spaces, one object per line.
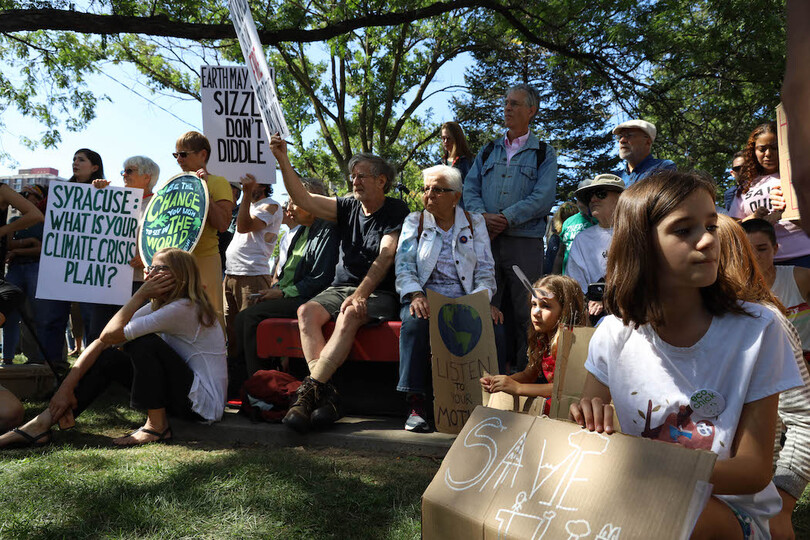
{"x":360,"y":238}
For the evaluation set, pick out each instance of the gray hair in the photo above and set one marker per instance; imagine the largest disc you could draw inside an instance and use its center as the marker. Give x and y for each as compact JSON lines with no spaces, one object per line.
{"x":314,"y":186}
{"x":451,"y":175}
{"x":144,"y":166}
{"x":379,"y":166}
{"x":532,"y":99}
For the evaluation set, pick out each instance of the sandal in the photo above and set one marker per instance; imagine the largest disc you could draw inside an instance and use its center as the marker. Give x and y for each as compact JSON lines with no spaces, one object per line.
{"x":30,"y":442}
{"x":164,"y":437}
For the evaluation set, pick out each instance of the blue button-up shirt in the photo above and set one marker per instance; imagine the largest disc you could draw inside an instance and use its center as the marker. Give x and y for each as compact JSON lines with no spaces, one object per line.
{"x":644,"y":169}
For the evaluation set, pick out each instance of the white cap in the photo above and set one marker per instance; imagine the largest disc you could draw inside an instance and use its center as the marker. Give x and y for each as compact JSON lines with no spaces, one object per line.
{"x":643,"y":125}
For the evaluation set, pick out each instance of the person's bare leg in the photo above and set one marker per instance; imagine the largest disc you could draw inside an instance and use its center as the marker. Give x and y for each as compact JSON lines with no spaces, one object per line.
{"x":717,"y":521}
{"x":11,"y":410}
{"x":336,"y":350}
{"x":34,"y":427}
{"x":156,"y":421}
{"x":311,"y":318}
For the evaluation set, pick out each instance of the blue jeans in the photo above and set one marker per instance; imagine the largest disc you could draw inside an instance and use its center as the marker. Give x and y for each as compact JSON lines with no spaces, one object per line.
{"x":414,"y":352}
{"x":24,"y":276}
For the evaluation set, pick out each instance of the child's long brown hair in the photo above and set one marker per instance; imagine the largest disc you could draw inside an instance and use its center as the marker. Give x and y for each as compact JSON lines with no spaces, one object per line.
{"x":569,"y":294}
{"x":187,"y":284}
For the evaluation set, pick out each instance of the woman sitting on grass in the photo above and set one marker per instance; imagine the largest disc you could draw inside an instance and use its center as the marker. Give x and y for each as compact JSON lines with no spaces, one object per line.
{"x":173,"y":359}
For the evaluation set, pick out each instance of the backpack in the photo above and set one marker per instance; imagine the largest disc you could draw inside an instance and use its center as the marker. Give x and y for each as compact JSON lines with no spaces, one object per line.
{"x":267,"y":395}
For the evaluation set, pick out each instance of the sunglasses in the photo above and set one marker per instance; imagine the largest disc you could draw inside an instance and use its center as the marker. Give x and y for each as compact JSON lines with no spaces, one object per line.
{"x":599,"y":194}
{"x":184,"y":153}
{"x":737,"y":169}
{"x":129,"y":170}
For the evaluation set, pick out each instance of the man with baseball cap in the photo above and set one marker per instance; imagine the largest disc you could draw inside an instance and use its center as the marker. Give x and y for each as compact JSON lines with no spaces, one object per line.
{"x":635,"y":138}
{"x":588,"y":260}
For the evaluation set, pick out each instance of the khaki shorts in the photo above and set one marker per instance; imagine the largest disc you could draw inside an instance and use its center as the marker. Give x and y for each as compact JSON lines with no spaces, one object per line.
{"x":381,"y":305}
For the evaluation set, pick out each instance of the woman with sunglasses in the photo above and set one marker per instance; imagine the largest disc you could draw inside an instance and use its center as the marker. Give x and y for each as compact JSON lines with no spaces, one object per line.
{"x":588,"y":259}
{"x":760,"y":196}
{"x":447,"y":250}
{"x":172,"y":358}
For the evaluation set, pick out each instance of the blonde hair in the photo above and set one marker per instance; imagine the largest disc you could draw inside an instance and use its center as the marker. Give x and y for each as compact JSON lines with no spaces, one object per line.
{"x":569,"y":294}
{"x":187,"y":284}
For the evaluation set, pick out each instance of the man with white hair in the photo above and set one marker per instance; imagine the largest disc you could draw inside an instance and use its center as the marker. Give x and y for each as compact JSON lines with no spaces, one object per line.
{"x":635,"y":138}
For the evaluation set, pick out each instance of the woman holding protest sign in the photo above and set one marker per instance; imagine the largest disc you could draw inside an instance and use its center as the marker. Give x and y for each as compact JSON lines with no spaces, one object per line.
{"x":447,"y":250}
{"x":682,"y":357}
{"x":173,"y":358}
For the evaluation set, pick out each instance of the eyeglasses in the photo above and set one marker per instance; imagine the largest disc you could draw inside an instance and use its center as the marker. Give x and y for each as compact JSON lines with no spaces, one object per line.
{"x":437,"y":190}
{"x":513,"y":103}
{"x":628,"y":135}
{"x":184,"y":153}
{"x":737,"y":168}
{"x":129,"y":170}
{"x":157,"y":268}
{"x":359,"y":176}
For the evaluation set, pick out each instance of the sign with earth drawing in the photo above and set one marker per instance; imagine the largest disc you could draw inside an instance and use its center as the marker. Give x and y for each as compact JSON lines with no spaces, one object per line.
{"x":462,"y":343}
{"x":175,"y":216}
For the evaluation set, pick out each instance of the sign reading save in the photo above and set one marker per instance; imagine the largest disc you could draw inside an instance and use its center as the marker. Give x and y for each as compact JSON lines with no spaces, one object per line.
{"x":175,"y":216}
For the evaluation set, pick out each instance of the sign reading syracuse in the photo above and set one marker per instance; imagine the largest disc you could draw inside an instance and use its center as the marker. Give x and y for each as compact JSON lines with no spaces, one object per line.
{"x":87,"y":243}
{"x":175,"y":216}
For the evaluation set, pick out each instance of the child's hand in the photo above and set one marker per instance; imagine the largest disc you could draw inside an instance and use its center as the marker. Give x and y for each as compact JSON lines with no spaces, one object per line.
{"x":497,"y":316}
{"x":592,"y":414}
{"x":486,"y":383}
{"x":595,"y":308}
{"x":503,"y":383}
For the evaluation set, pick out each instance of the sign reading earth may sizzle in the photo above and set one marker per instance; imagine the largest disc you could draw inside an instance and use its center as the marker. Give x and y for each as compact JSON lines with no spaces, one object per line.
{"x":233,"y":124}
{"x":462,"y":344}
{"x":87,"y":243}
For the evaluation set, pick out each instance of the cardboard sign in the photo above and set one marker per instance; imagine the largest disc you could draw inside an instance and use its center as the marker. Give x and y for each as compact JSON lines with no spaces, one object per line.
{"x":532,"y":406}
{"x":263,"y":85}
{"x":87,"y":243}
{"x":569,"y":371}
{"x":462,"y":344}
{"x":511,"y":475}
{"x":234,"y":125}
{"x":175,"y":216}
{"x":792,"y":204}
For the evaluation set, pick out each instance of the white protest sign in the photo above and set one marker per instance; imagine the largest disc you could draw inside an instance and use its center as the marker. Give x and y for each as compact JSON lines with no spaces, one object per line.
{"x":233,"y":124}
{"x":88,"y":241}
{"x":253,"y":52}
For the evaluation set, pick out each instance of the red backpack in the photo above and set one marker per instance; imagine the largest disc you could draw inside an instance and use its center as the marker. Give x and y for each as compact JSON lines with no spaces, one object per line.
{"x":267,"y":395}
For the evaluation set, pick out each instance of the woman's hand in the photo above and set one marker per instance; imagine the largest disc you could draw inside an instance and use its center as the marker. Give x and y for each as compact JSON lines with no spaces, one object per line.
{"x":156,"y":285}
{"x":778,"y":203}
{"x":497,"y":316}
{"x":248,"y":181}
{"x":202,"y":174}
{"x":500,"y":383}
{"x":62,"y":401}
{"x":593,"y":414}
{"x":595,"y":308}
{"x":100,"y":183}
{"x":420,"y":307}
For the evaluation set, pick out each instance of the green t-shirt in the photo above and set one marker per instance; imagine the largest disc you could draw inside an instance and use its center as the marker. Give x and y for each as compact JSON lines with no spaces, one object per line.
{"x":288,"y":272}
{"x":572,"y":227}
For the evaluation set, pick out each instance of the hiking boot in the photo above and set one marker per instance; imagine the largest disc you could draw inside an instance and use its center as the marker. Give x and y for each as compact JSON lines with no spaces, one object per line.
{"x":328,"y":409}
{"x":417,"y":419}
{"x":307,"y":397}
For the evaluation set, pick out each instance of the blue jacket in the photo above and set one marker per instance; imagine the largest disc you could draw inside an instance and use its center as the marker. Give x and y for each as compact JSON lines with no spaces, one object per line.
{"x":521,"y":191}
{"x":644,"y":169}
{"x":416,"y":257}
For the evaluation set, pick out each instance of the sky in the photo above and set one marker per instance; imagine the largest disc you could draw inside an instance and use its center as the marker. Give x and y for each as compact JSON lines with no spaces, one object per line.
{"x":133,"y":121}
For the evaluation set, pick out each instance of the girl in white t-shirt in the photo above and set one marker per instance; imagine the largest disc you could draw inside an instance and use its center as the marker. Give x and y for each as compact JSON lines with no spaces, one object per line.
{"x":172,"y":358}
{"x":560,"y":301}
{"x":683,"y":360}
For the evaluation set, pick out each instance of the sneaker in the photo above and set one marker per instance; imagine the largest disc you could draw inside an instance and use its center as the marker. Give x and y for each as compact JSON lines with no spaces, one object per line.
{"x":328,"y":409}
{"x":417,"y":423}
{"x":307,"y":396}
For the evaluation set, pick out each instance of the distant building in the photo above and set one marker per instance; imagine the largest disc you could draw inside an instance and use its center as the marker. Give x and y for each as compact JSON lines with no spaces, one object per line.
{"x":26,"y":177}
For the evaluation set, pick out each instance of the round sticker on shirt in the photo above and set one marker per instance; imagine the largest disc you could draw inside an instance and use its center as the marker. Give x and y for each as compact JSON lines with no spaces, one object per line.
{"x":463,"y":239}
{"x":707,"y":403}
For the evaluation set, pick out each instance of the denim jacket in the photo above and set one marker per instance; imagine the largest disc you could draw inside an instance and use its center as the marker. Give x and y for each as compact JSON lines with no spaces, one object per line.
{"x":521,"y":191}
{"x":416,"y":257}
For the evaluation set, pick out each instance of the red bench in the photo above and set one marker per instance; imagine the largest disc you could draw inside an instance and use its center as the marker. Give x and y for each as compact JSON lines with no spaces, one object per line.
{"x":376,"y":343}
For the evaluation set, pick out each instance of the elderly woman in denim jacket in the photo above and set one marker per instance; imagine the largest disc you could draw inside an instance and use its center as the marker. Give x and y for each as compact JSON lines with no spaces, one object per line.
{"x":446,"y":250}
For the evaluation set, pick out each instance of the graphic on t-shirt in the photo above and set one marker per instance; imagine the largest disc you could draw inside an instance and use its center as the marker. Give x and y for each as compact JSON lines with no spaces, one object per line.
{"x":756,"y":198}
{"x":679,"y":428}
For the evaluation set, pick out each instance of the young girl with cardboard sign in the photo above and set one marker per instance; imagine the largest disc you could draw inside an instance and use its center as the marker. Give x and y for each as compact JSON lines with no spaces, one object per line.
{"x":683,"y":353}
{"x":558,"y":302}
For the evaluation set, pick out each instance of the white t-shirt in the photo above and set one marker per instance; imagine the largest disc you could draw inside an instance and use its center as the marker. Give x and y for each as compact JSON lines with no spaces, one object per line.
{"x":790,"y":237}
{"x":587,"y":262}
{"x":798,"y":312}
{"x":202,"y":347}
{"x":742,"y":358}
{"x":249,"y":254}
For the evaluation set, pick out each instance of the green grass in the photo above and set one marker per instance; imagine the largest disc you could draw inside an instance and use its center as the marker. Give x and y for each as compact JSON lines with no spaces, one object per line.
{"x":81,"y":487}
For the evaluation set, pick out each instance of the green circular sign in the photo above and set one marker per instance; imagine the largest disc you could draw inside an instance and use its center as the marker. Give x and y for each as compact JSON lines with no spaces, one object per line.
{"x":175,"y":216}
